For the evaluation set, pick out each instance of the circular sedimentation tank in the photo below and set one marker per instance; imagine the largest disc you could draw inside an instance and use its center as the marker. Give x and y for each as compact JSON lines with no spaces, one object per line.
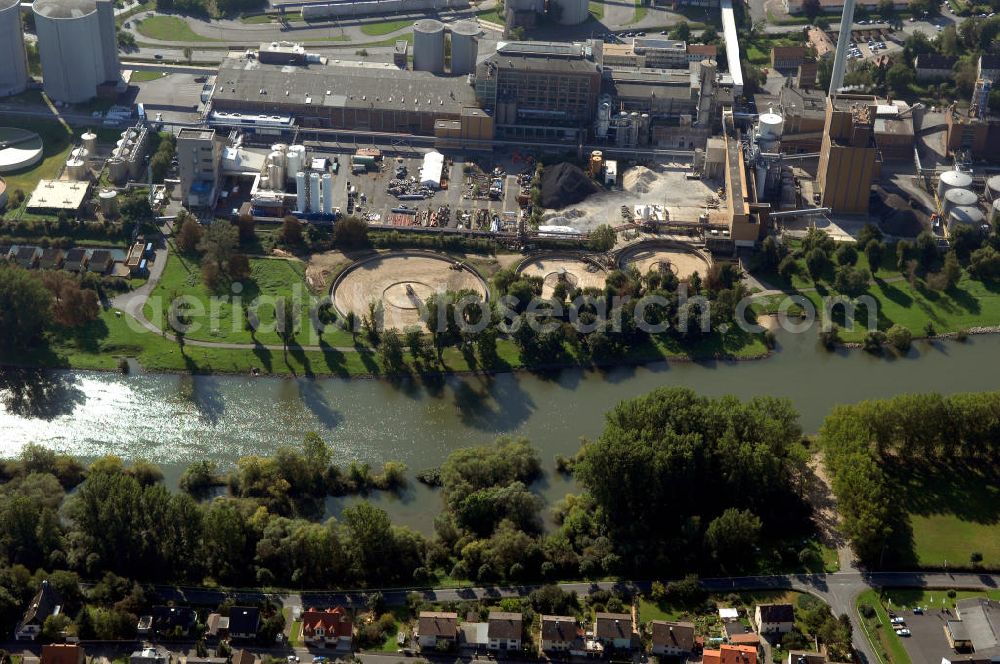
{"x":401,"y":282}
{"x":682,"y":261}
{"x":19,"y":149}
{"x":575,"y":271}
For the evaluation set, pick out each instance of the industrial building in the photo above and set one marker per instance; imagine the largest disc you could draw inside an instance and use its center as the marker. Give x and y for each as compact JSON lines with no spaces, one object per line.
{"x":849,"y":161}
{"x":540,"y":89}
{"x":78,"y":48}
{"x":804,"y":112}
{"x":14,"y":71}
{"x":129,"y":154}
{"x":370,"y":96}
{"x":647,"y":52}
{"x":51,"y":196}
{"x":199,"y":165}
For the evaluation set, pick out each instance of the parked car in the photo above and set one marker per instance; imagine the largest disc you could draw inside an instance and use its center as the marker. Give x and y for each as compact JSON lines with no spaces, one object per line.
{"x":918,"y":610}
{"x":897,"y":620}
{"x":903,"y":632}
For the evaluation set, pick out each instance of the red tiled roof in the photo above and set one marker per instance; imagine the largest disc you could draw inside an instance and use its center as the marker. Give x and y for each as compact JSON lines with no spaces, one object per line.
{"x":335,"y":622}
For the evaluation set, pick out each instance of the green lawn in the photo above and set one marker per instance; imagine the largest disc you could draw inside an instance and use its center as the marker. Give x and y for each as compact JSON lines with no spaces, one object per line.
{"x":970,"y":303}
{"x":256,"y":19}
{"x":125,"y":16}
{"x":879,"y":631}
{"x":56,"y":141}
{"x":640,"y":12}
{"x":142,"y":76}
{"x":170,"y":28}
{"x":270,"y":278}
{"x":597,"y":10}
{"x":385,"y":27}
{"x":493,"y":16}
{"x":938,"y":598}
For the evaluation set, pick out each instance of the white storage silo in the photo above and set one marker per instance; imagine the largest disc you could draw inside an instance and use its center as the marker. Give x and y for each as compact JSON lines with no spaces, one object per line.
{"x":327,"y":193}
{"x":276,"y":177}
{"x":966,"y":215}
{"x":300,"y":192}
{"x":314,"y":205}
{"x":995,"y":217}
{"x":571,"y":12}
{"x":14,"y":70}
{"x":993,"y":187}
{"x":108,"y":199}
{"x":76,"y":169}
{"x":428,"y":45}
{"x":77,"y":46}
{"x":464,"y":47}
{"x":953,"y":180}
{"x":89,"y":140}
{"x":295,"y":158}
{"x":957,"y":197}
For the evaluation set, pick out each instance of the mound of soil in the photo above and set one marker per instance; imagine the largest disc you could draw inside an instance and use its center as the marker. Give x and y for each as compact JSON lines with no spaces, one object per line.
{"x":637,"y":180}
{"x":565,"y":184}
{"x":895,"y":214}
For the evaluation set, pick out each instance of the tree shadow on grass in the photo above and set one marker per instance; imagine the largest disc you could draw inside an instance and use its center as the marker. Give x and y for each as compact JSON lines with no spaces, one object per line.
{"x":334,"y":359}
{"x":263,"y":354}
{"x":894,"y":294}
{"x":969,"y":490}
{"x":965,"y":300}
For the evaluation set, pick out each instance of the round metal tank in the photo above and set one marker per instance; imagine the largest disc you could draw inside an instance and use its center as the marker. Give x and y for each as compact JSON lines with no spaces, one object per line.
{"x":995,"y":218}
{"x":464,"y":47}
{"x":953,"y":180}
{"x":108,"y":199}
{"x":571,"y":12}
{"x":76,"y":169}
{"x":993,"y":187}
{"x":79,"y":153}
{"x":117,"y":170}
{"x":89,"y":142}
{"x":965,"y":215}
{"x":428,"y":45}
{"x":301,"y":203}
{"x":314,"y":205}
{"x":14,"y":67}
{"x":771,"y":126}
{"x":276,"y":176}
{"x":294,"y":159}
{"x":77,"y":47}
{"x":327,"y":193}
{"x":957,"y":197}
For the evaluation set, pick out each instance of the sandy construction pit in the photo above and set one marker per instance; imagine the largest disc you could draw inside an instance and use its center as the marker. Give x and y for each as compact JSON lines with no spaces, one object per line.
{"x":402,"y":282}
{"x":576,"y":272}
{"x":680,"y":262}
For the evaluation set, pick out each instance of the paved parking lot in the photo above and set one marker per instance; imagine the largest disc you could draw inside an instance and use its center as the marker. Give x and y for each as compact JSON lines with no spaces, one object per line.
{"x":928,"y":644}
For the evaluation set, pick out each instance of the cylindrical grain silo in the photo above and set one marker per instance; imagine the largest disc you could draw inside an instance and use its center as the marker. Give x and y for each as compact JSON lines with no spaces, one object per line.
{"x":993,"y":188}
{"x":327,"y":193}
{"x":571,"y":12}
{"x":995,"y":217}
{"x":89,"y":140}
{"x":957,"y":197}
{"x":13,"y":62}
{"x":77,"y":47}
{"x":76,"y":168}
{"x":314,"y":205}
{"x":953,"y":180}
{"x":117,"y":170}
{"x":295,"y":158}
{"x":428,"y":45}
{"x":108,"y":199}
{"x":965,"y":215}
{"x":301,"y":204}
{"x":464,"y":47}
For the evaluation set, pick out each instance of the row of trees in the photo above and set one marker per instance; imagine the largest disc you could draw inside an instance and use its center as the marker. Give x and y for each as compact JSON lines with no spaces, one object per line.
{"x":33,"y":303}
{"x":859,"y":440}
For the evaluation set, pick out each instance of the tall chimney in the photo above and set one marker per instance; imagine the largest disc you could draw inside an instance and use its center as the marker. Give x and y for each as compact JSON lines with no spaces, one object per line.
{"x":843,"y":39}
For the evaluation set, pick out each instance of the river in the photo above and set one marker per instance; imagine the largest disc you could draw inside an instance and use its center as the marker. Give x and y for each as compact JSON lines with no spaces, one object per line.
{"x":173,"y":419}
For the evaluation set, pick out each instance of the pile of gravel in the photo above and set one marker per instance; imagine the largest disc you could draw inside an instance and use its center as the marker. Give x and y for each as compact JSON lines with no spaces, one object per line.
{"x":565,"y":184}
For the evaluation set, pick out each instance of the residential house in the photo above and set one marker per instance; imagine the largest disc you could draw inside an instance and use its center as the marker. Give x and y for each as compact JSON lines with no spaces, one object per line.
{"x":44,"y":604}
{"x":62,"y":653}
{"x":699,"y":52}
{"x":934,"y":67}
{"x":730,"y":654}
{"x":784,"y":58}
{"x":217,"y":626}
{"x":734,"y":629}
{"x":150,"y":656}
{"x":437,"y":629}
{"x":614,"y":629}
{"x":672,"y":639}
{"x":202,"y":660}
{"x":168,"y":621}
{"x":101,"y":261}
{"x":774,"y":618}
{"x":332,"y":628}
{"x":504,"y":630}
{"x":745,"y":639}
{"x":472,"y":634}
{"x":27,"y":257}
{"x":559,"y":633}
{"x":243,"y":621}
{"x":76,"y":260}
{"x":51,"y":259}
{"x":989,"y":67}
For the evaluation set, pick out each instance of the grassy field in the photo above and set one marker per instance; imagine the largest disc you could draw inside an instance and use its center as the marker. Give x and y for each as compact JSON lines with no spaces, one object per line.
{"x":170,"y":28}
{"x":597,"y":10}
{"x":708,"y":624}
{"x":970,"y":303}
{"x":143,"y":76}
{"x":56,"y":141}
{"x":640,"y":12}
{"x":494,"y":16}
{"x":385,"y":27}
{"x":879,"y":631}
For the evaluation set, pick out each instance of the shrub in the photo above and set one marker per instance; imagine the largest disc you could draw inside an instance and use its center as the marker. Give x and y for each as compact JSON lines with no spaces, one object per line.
{"x":874,"y":340}
{"x":847,"y":254}
{"x":900,"y":338}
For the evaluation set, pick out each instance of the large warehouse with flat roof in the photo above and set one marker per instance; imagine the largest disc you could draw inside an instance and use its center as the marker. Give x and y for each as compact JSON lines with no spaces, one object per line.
{"x":364,"y":96}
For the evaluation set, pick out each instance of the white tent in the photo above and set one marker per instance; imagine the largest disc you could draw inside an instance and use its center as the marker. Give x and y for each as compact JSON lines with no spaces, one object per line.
{"x":431,"y":170}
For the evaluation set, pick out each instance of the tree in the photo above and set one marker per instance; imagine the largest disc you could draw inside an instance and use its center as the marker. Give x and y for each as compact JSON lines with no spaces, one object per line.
{"x":602,"y":238}
{"x":817,"y":262}
{"x":218,"y":243}
{"x":681,"y":31}
{"x":899,"y":78}
{"x":291,"y":230}
{"x":874,"y":251}
{"x":390,"y":352}
{"x":732,"y":535}
{"x":812,"y":9}
{"x":239,"y":267}
{"x":72,"y":305}
{"x":190,"y":235}
{"x":984,"y":264}
{"x":350,"y":233}
{"x":24,"y":308}
{"x":245,"y":227}
{"x":846,"y":254}
{"x":899,"y":337}
{"x":709,"y":35}
{"x":851,"y":281}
